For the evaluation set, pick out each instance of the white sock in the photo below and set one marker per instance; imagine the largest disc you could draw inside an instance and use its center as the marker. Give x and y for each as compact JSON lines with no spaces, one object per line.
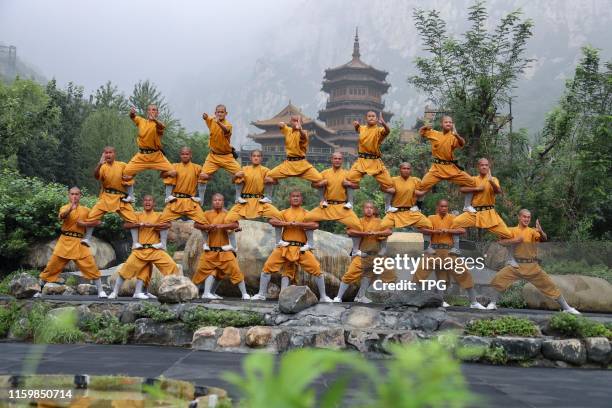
{"x":89,"y":233}
{"x":242,"y":288}
{"x":320,"y":280}
{"x":343,"y":287}
{"x":467,"y":200}
{"x":388,"y":198}
{"x":472,"y":295}
{"x":238,"y":191}
{"x":98,"y":283}
{"x":231,"y":236}
{"x":118,"y":284}
{"x":163,"y":237}
{"x":284,"y":282}
{"x":310,"y":238}
{"x":278,"y":234}
{"x":383,"y":248}
{"x":349,"y":195}
{"x":169,"y":188}
{"x":205,"y":236}
{"x":208,"y":283}
{"x":563,"y":303}
{"x":456,"y":241}
{"x":321,"y":193}
{"x":363,"y":286}
{"x":139,"y":286}
{"x":201,"y":192}
{"x":264,"y":280}
{"x":356,"y":243}
{"x":134,"y":234}
{"x":130,"y":190}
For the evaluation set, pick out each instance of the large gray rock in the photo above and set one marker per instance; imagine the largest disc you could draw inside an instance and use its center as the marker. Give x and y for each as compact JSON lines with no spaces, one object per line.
{"x":294,"y":299}
{"x":519,"y":348}
{"x":417,"y":298}
{"x":176,"y":289}
{"x":362,"y":341}
{"x":330,"y":339}
{"x":571,"y":351}
{"x":179,"y":232}
{"x":585,"y":293}
{"x":255,"y":244}
{"x":148,"y":331}
{"x":53,"y":289}
{"x":428,"y":319}
{"x":128,"y":286}
{"x":598,"y":349}
{"x":85,"y":289}
{"x":477,"y":346}
{"x":362,"y":317}
{"x":24,"y":286}
{"x":40,"y":253}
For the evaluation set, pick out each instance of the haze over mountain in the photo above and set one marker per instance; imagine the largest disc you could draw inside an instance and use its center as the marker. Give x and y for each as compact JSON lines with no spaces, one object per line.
{"x":256,"y":56}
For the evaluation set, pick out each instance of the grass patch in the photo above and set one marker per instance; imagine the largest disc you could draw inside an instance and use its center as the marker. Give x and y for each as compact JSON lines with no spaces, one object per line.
{"x":59,"y":328}
{"x":200,"y":316}
{"x":72,"y":281}
{"x":107,"y":329}
{"x":513,"y":297}
{"x":6,"y":281}
{"x":158,"y":313}
{"x":29,"y":320}
{"x":495,"y":355}
{"x":8,"y":315}
{"x":507,"y":325}
{"x":570,"y":325}
{"x":455,"y":300}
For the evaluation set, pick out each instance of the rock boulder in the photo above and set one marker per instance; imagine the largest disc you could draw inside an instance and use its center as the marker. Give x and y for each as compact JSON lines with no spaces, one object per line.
{"x":39,"y":255}
{"x":585,"y":293}
{"x":24,"y":286}
{"x":294,"y":299}
{"x":176,"y":289}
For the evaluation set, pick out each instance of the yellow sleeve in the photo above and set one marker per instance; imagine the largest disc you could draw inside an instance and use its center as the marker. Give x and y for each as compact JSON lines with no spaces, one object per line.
{"x":417,"y":183}
{"x":496,"y":181}
{"x":208,"y":120}
{"x":455,"y":142}
{"x":229,"y":127}
{"x":536,"y":235}
{"x":284,"y":216}
{"x":264,"y":170}
{"x":63,"y":208}
{"x":431,"y":134}
{"x":285,"y":130}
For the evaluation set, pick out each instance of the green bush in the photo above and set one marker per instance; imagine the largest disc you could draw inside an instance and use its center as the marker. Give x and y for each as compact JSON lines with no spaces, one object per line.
{"x":422,"y":374}
{"x":33,"y":319}
{"x":8,"y":316}
{"x":107,"y":329}
{"x":495,"y":355}
{"x":6,"y":281}
{"x":200,"y":316}
{"x":59,"y":328}
{"x":72,"y":281}
{"x":513,"y":297}
{"x":158,"y":313}
{"x":507,"y":325}
{"x":570,"y":325}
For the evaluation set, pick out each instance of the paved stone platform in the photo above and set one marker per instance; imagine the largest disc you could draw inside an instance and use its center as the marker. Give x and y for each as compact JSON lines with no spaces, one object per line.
{"x":496,"y":386}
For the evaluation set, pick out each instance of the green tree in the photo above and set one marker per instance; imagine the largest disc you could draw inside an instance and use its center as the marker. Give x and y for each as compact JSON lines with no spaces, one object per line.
{"x":108,"y":96}
{"x":571,"y":164}
{"x":472,"y":77}
{"x":27,"y":115}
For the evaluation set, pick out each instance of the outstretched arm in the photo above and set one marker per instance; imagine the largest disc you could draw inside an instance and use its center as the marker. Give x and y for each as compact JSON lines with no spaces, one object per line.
{"x":459,"y":138}
{"x":543,"y":236}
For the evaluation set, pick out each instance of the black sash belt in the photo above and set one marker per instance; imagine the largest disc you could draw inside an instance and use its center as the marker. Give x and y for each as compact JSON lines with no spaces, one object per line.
{"x":72,"y":234}
{"x":296,"y":243}
{"x":146,"y":246}
{"x":400,"y":209}
{"x":335,"y":202}
{"x":148,"y":151}
{"x":368,"y":155}
{"x":214,"y":249}
{"x":441,"y":246}
{"x":440,"y":161}
{"x":246,"y":195}
{"x":527,"y":260}
{"x":484,"y":207}
{"x":295,"y":158}
{"x":181,"y":195}
{"x":113,"y":191}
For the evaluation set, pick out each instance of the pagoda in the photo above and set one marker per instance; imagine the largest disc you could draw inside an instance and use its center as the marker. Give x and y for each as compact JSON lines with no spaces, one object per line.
{"x":272,"y":140}
{"x":354,"y":89}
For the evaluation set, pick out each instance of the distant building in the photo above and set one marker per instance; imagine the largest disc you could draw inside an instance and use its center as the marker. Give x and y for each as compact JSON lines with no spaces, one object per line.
{"x":354,"y":89}
{"x":272,"y":140}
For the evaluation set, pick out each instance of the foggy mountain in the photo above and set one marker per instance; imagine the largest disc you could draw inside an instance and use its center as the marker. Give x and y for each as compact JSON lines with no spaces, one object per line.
{"x":319,"y":35}
{"x":256,"y":59}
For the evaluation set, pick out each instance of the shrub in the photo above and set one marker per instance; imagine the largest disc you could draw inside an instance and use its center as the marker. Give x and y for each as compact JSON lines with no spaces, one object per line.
{"x":158,"y":313}
{"x":33,"y":318}
{"x":8,"y":315}
{"x":200,"y":316}
{"x":421,"y":374}
{"x":107,"y":329}
{"x":72,"y":281}
{"x":60,"y":328}
{"x":507,"y":325}
{"x":454,"y":300}
{"x":513,"y":297}
{"x":495,"y":355}
{"x":570,"y":325}
{"x":580,"y":267}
